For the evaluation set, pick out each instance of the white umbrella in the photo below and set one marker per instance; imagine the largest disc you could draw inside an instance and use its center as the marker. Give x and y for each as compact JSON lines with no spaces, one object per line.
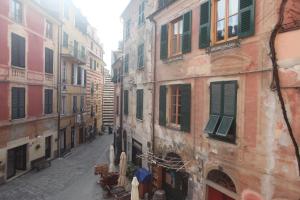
{"x":111,"y":159}
{"x":123,"y":168}
{"x":135,"y":189}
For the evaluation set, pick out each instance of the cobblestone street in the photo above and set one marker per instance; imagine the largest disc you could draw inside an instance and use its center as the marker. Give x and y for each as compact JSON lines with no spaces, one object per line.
{"x":70,"y":178}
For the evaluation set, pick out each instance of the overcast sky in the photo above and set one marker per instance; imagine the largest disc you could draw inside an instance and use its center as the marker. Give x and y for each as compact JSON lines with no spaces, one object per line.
{"x":105,"y":15}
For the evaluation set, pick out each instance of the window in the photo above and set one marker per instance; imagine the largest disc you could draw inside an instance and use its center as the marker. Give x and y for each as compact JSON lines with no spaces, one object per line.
{"x":75,"y":49}
{"x":175,"y":101}
{"x":66,"y":9}
{"x":82,"y":103}
{"x":92,"y":111}
{"x":63,"y":105}
{"x":16,"y":11}
{"x":139,"y":104}
{"x":48,"y":107}
{"x":141,"y":56}
{"x":221,"y":123}
{"x":92,"y":46}
{"x":91,"y":63}
{"x":64,"y":72}
{"x":65,"y":40}
{"x":176,"y":29}
{"x":92,"y":88}
{"x":117,"y":105}
{"x":175,"y":105}
{"x":127,"y":29}
{"x":125,"y":102}
{"x":141,"y":13}
{"x":49,"y":29}
{"x":79,"y":76}
{"x":126,"y":63}
{"x":95,"y":64}
{"x":48,"y":61}
{"x":17,"y":50}
{"x":74,"y":104}
{"x":82,"y":52}
{"x":226,"y":20}
{"x":18,"y":103}
{"x":176,"y":37}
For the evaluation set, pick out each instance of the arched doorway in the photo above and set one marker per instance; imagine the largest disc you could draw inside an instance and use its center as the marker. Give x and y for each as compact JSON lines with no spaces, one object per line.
{"x":220,"y":186}
{"x":175,"y":183}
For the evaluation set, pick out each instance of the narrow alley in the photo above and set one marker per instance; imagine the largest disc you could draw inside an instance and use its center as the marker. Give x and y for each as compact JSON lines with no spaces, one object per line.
{"x":69,"y":178}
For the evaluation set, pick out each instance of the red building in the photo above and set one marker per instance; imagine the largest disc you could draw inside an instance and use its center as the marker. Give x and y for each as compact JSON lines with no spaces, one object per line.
{"x":28,"y":85}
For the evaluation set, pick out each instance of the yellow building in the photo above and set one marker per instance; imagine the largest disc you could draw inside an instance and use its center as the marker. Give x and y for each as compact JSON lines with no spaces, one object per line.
{"x":81,"y":80}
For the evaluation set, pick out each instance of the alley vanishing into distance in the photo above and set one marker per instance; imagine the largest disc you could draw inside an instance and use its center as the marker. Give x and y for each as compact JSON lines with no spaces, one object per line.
{"x":68,"y":178}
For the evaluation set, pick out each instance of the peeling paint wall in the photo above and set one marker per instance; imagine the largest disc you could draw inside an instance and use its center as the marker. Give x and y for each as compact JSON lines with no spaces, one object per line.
{"x":262,"y":159}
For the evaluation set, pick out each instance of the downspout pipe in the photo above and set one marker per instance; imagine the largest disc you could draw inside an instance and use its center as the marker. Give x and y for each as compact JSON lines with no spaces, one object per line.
{"x":121,"y":107}
{"x":154,"y":85}
{"x":59,"y":88}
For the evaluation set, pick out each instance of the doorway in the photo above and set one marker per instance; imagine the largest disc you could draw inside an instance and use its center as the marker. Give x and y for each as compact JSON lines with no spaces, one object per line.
{"x":226,"y":189}
{"x":63,"y":142}
{"x":136,"y":151}
{"x":73,"y":137}
{"x":16,"y":160}
{"x":81,"y":136}
{"x":48,"y":147}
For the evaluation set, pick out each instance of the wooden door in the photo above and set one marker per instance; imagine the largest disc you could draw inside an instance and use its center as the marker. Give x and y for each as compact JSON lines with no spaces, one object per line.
{"x":11,"y":168}
{"x":213,"y":194}
{"x":48,"y":147}
{"x":21,"y":157}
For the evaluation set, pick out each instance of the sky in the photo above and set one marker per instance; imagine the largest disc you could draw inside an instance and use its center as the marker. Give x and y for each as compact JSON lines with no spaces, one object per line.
{"x":105,"y":16}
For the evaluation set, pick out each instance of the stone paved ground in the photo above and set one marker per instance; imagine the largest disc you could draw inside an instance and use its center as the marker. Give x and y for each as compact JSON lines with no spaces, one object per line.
{"x":70,"y":178}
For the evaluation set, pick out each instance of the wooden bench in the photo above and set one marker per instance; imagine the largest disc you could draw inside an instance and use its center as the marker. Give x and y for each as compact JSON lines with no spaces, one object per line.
{"x":40,"y":163}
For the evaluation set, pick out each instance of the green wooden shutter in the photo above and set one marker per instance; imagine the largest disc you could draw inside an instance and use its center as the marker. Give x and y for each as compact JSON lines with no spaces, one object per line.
{"x":164,"y":42}
{"x":14,"y":103}
{"x":139,"y":104}
{"x":46,"y":102}
{"x":22,"y":50}
{"x":50,"y":101}
{"x":187,"y":30}
{"x":216,"y":98}
{"x":21,"y":102}
{"x":126,"y":102}
{"x":50,"y":61}
{"x":204,"y":32}
{"x":162,"y":105}
{"x":185,"y":118}
{"x":126,"y":63}
{"x":84,"y":78}
{"x":14,"y":50}
{"x":72,"y":74}
{"x":230,"y":95}
{"x":246,"y":18}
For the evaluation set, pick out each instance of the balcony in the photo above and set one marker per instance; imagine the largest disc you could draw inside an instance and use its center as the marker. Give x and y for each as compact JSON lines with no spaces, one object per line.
{"x":17,"y":73}
{"x":75,"y":54}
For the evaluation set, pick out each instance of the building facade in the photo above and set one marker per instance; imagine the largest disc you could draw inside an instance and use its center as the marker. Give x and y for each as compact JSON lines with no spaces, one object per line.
{"x":81,"y":79}
{"x":217,"y":109}
{"x":29,"y":45}
{"x":137,"y":77}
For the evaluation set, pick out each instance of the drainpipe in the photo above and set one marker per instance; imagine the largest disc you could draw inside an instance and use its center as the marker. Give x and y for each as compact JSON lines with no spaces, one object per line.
{"x":121,"y":107}
{"x":154,"y":87}
{"x":58,"y":89}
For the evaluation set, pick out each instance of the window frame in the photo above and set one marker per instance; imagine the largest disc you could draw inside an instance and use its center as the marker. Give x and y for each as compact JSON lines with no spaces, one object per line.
{"x":177,"y":116}
{"x":74,"y":104}
{"x":16,"y":16}
{"x":214,"y":21}
{"x":139,"y":104}
{"x":141,"y":56}
{"x":48,"y":102}
{"x":171,"y":24}
{"x":49,"y":29}
{"x":230,"y":136}
{"x":141,"y":19}
{"x":19,"y":114}
{"x":49,"y":61}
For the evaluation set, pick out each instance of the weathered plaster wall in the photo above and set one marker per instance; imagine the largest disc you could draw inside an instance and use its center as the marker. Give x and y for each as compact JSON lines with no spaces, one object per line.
{"x":262,"y":160}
